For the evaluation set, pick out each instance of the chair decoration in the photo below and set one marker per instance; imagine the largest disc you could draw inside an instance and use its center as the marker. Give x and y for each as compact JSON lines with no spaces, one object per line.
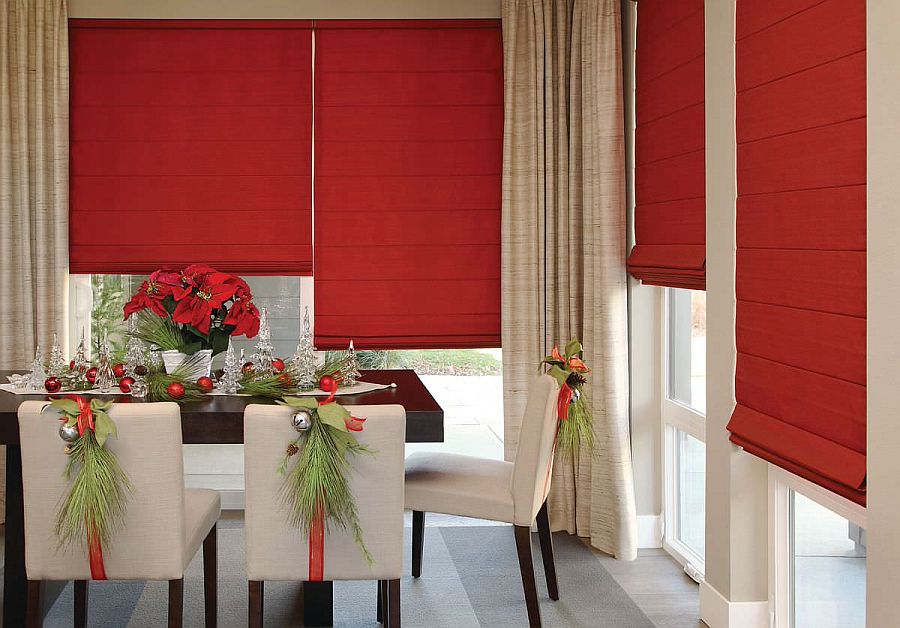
{"x":316,"y":490}
{"x":575,"y":429}
{"x":97,"y":499}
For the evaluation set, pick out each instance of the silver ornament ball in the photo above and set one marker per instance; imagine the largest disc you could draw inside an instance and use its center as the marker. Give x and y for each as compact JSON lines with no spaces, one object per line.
{"x":301,"y":420}
{"x":69,"y":433}
{"x":576,"y":394}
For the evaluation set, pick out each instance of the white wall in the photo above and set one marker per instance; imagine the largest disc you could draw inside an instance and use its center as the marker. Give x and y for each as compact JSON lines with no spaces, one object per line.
{"x":284,"y":9}
{"x":735,"y":590}
{"x":883,"y":294}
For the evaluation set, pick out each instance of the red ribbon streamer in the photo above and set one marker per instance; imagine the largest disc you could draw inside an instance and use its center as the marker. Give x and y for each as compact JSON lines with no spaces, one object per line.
{"x":85,"y":414}
{"x":95,"y":554}
{"x":317,"y":546}
{"x":563,"y":401}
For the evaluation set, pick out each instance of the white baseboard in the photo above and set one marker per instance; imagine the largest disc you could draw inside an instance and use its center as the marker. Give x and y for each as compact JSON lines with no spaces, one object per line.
{"x":718,"y":612}
{"x":650,"y":531}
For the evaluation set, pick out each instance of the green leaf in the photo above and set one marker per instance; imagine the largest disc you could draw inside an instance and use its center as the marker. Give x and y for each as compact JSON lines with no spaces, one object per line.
{"x":66,"y":406}
{"x":103,"y":427}
{"x":334,"y":415}
{"x":299,"y":402}
{"x":558,"y":374}
{"x":573,"y":348}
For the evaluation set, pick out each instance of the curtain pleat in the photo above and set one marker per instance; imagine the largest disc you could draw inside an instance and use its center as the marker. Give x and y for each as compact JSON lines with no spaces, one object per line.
{"x":34,"y":179}
{"x":564,"y":244}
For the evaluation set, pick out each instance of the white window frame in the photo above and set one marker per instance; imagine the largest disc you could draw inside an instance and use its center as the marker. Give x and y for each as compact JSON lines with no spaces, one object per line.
{"x":781,"y":525}
{"x":681,"y":417}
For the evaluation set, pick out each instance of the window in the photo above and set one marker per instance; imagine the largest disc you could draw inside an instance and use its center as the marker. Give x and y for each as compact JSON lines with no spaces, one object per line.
{"x":683,"y":415}
{"x":818,"y":545}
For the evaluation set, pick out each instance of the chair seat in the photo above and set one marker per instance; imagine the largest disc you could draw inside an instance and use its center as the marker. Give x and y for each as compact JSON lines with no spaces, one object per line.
{"x":202,"y":508}
{"x":459,"y":485}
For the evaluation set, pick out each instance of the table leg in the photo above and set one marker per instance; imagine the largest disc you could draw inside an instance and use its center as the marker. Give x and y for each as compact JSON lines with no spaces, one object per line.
{"x":318,"y":603}
{"x":14,"y":552}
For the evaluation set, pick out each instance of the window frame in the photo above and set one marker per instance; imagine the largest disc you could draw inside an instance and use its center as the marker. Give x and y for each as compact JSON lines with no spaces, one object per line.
{"x":675,"y":416}
{"x":781,"y":525}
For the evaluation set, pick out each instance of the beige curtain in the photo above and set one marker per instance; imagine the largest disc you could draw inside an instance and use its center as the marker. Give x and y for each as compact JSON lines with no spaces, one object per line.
{"x":34,"y":179}
{"x":564,"y":243}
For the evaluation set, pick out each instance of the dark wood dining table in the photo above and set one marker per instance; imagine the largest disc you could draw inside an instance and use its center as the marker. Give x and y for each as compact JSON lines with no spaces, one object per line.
{"x":214,"y":420}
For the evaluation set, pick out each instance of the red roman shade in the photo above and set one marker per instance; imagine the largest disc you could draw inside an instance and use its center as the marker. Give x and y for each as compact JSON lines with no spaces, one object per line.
{"x":801,"y":239}
{"x":408,"y":151}
{"x":669,"y":150}
{"x":190,"y":141}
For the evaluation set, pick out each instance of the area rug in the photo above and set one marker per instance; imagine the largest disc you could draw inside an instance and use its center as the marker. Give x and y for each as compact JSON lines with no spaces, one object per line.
{"x":470,"y":578}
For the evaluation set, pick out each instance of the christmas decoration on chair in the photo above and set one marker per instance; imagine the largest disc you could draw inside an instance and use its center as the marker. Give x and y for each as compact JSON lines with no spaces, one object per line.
{"x":575,"y":429}
{"x":96,"y":502}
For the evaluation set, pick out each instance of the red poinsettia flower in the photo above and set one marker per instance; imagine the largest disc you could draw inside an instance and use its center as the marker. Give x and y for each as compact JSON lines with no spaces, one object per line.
{"x":578,"y":365}
{"x":244,"y":316}
{"x":196,"y":308}
{"x":149,"y":295}
{"x":556,"y":355}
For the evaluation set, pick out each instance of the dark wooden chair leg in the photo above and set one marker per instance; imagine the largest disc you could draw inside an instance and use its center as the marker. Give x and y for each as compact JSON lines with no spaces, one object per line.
{"x":392,"y":599}
{"x":418,"y":542}
{"x":255,"y":616}
{"x":33,"y":617}
{"x":523,"y":545}
{"x":210,"y":578}
{"x":176,"y":603}
{"x":81,"y":603}
{"x":379,"y":613}
{"x":543,"y":526}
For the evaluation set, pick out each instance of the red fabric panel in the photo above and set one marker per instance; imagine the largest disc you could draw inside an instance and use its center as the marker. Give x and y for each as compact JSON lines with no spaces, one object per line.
{"x":191,"y":141}
{"x":801,"y":239}
{"x":408,"y":159}
{"x":670,"y":207}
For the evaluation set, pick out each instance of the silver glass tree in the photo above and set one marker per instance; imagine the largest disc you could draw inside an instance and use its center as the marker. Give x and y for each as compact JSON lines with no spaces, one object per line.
{"x":231,"y":375}
{"x":262,"y":359}
{"x":57,"y":361}
{"x":106,"y":379}
{"x":303,"y":362}
{"x":350,"y":370}
{"x":38,"y":375}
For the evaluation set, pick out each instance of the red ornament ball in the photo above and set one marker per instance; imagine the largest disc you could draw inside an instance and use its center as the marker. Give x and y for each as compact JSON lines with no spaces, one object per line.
{"x":247,"y":368}
{"x":278,"y":365}
{"x":119,"y":370}
{"x":71,"y":365}
{"x":125,"y":384}
{"x":52,"y":384}
{"x":286,"y":380}
{"x":91,"y":374}
{"x":205,"y":384}
{"x":327,"y":383}
{"x":175,"y":390}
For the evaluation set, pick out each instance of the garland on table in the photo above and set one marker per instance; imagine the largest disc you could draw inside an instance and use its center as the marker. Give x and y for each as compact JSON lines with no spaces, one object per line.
{"x":316,"y":490}
{"x":96,"y":501}
{"x":575,"y":429}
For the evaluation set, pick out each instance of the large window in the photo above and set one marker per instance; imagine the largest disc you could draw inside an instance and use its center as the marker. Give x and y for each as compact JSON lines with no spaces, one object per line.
{"x":683,"y":414}
{"x":818,"y":541}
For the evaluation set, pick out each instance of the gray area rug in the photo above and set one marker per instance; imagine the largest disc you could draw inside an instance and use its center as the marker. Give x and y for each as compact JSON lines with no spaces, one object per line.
{"x":470,"y":578}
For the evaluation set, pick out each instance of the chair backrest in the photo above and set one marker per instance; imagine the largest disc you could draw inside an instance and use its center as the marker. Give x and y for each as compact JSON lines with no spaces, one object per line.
{"x":534,"y":455}
{"x":149,"y":545}
{"x":278,"y":551}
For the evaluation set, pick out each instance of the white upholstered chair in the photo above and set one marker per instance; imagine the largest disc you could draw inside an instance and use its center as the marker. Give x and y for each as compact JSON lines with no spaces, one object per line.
{"x":278,"y":551}
{"x":513,"y":493}
{"x":164,"y":525}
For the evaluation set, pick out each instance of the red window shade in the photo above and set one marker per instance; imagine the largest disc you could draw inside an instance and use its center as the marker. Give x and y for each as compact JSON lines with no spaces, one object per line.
{"x":190,"y":141}
{"x":801,"y":236}
{"x":408,"y":144}
{"x":669,"y":173}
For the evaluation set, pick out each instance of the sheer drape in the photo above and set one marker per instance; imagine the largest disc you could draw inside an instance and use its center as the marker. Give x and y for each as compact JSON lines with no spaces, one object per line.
{"x":564,"y":242}
{"x":34,"y":177}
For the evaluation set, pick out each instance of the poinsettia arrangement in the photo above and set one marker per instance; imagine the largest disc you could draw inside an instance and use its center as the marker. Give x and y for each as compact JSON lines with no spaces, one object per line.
{"x":575,"y":429}
{"x":193,"y":309}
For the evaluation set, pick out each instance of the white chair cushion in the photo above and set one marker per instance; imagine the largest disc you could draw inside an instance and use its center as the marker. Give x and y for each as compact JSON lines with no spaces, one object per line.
{"x":459,"y":485}
{"x":202,"y":508}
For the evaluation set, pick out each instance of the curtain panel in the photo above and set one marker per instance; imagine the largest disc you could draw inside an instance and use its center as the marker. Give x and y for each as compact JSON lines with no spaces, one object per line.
{"x":34,"y":179}
{"x":800,"y":276}
{"x":191,"y":141}
{"x":563,"y":253}
{"x":669,"y":145}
